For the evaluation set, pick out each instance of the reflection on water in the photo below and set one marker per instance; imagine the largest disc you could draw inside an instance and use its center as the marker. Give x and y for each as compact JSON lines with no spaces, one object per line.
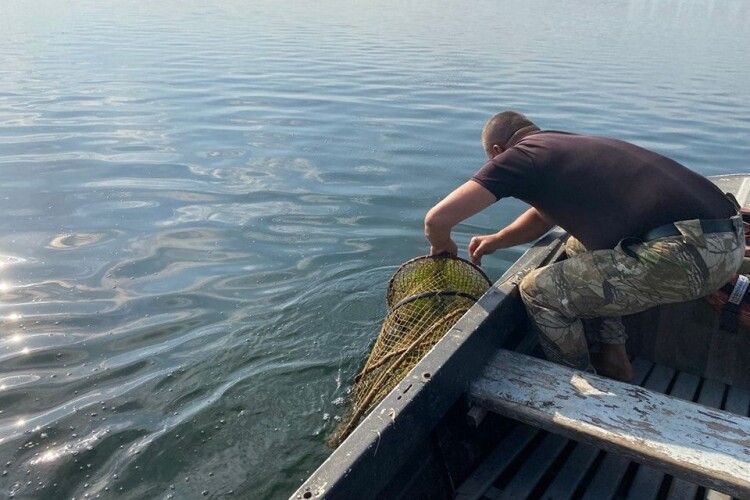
{"x":202,"y":204}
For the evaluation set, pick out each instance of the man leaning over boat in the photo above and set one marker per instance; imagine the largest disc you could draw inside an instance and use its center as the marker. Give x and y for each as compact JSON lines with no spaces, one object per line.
{"x":644,"y":230}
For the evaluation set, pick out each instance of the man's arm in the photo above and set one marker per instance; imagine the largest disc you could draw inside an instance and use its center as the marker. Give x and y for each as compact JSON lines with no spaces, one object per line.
{"x":529,"y":226}
{"x":467,"y":200}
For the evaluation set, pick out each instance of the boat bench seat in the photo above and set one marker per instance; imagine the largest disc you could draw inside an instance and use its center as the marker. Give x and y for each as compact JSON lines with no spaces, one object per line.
{"x":704,"y":445}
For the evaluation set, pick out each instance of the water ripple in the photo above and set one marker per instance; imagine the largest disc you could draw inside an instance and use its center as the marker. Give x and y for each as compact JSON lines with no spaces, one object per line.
{"x":203,"y":204}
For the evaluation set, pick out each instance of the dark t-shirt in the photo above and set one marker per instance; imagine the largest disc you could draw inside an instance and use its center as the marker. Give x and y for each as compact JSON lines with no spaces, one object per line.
{"x":600,"y":190}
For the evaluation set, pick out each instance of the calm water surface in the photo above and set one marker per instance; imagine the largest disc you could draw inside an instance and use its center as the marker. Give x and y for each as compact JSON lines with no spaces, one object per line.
{"x":202,"y":203}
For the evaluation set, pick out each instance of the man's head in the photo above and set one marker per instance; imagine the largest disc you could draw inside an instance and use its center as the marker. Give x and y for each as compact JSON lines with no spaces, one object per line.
{"x":503,"y":130}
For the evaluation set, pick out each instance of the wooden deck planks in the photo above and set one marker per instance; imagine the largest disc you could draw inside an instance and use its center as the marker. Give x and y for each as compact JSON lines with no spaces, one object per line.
{"x":535,"y":466}
{"x":648,"y":480}
{"x":738,"y":401}
{"x":711,"y":395}
{"x":606,"y":481}
{"x":572,"y":472}
{"x":505,"y":452}
{"x":583,"y":455}
{"x":621,"y":418}
{"x":479,"y":484}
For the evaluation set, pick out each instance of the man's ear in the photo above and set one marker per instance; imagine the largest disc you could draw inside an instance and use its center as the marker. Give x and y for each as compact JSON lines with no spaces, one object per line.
{"x":496,"y":150}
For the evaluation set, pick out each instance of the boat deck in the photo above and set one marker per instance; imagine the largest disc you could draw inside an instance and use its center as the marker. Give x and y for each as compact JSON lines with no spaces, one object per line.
{"x":531,"y":463}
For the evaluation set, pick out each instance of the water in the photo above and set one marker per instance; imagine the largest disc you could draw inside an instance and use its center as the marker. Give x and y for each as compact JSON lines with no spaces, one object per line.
{"x":202,"y":203}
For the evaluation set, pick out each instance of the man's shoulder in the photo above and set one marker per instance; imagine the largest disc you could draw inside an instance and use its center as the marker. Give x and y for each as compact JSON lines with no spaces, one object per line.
{"x":543,"y":137}
{"x":559,"y":135}
{"x":557,"y":139}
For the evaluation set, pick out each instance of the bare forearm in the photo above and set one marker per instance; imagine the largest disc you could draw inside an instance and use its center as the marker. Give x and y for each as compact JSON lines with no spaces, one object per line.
{"x":437,"y":233}
{"x":529,"y":226}
{"x":467,"y":200}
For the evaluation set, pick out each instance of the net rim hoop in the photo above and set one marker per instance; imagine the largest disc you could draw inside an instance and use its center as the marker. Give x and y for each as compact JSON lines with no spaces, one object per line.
{"x":432,"y":257}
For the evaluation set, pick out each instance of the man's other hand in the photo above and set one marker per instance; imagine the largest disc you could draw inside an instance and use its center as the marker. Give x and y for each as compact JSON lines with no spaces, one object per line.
{"x":448,"y":247}
{"x":482,"y":245}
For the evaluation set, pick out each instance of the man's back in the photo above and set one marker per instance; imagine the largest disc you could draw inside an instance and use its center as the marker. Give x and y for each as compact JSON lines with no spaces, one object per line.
{"x":601,"y":190}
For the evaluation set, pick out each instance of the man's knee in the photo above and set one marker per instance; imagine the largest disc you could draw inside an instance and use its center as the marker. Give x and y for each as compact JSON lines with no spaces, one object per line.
{"x":528,"y":287}
{"x":541,"y":290}
{"x":574,"y":247}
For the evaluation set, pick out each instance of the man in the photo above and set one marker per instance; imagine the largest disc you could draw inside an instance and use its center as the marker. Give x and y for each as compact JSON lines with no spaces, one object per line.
{"x":644,"y":230}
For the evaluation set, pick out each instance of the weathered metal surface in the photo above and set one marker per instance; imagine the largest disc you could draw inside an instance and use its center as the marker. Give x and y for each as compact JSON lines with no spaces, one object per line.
{"x":704,"y":445}
{"x":387,"y":438}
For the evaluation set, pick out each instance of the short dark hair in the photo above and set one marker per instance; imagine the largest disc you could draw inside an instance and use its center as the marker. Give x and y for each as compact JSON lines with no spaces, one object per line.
{"x":505,"y":128}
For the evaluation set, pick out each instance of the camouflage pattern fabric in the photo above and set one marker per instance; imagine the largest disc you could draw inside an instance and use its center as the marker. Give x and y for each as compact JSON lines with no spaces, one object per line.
{"x":603,"y":330}
{"x":630,"y":278}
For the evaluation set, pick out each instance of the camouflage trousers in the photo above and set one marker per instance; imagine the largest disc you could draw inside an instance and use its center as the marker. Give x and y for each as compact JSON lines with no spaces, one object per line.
{"x":598,"y":287}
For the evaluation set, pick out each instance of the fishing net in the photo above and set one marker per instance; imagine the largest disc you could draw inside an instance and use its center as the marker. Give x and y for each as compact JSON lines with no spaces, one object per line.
{"x":426,"y":296}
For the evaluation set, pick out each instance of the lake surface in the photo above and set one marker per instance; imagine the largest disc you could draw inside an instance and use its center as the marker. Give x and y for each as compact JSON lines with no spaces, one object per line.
{"x":203,"y":201}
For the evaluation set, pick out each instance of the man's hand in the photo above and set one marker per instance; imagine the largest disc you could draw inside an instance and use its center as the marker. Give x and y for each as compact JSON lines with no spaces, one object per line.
{"x":448,"y":247}
{"x":483,"y":245}
{"x":465,"y":201}
{"x":529,"y":226}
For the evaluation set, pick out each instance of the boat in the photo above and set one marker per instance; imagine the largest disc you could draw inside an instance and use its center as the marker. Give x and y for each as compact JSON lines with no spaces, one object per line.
{"x":483,"y":415}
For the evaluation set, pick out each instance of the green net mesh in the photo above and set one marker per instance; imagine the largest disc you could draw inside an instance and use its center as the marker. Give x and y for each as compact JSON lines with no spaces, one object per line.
{"x":441,"y":274}
{"x":426,"y":296}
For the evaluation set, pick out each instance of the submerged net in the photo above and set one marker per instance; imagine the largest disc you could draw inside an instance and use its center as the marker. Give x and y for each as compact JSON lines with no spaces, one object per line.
{"x":426,"y":296}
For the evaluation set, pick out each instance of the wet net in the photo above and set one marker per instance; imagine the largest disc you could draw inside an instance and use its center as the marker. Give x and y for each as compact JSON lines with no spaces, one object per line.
{"x":426,"y":296}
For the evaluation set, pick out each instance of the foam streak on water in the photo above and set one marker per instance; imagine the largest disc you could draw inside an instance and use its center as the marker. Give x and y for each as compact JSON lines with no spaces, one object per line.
{"x":202,"y":203}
